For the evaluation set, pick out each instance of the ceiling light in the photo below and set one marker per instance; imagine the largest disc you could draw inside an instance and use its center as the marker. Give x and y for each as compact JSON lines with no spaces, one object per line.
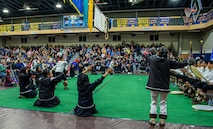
{"x":58,"y":5}
{"x":27,"y":8}
{"x":5,"y":10}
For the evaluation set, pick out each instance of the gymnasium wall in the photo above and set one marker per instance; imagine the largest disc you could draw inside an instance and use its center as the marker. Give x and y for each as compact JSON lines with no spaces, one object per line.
{"x":208,"y":41}
{"x":143,"y":38}
{"x":144,"y":14}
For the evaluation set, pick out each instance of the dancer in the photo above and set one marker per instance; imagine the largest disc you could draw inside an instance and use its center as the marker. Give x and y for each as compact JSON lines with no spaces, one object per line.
{"x":158,"y":83}
{"x":86,"y":106}
{"x":47,"y":84}
{"x":27,"y":89}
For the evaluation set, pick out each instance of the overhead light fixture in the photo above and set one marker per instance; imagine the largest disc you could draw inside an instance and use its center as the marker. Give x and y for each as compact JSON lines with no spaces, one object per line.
{"x":27,"y":8}
{"x":5,"y":10}
{"x":103,"y":3}
{"x":58,"y":5}
{"x":98,"y":2}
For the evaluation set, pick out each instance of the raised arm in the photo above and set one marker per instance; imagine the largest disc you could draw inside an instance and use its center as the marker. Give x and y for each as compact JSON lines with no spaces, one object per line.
{"x":100,"y":80}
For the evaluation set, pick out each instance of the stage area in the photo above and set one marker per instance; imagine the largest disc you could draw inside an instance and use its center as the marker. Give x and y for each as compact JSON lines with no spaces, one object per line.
{"x":119,"y":96}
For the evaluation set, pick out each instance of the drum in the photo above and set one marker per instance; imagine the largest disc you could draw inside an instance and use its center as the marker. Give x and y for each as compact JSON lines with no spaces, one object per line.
{"x":177,"y":92}
{"x":202,"y":107}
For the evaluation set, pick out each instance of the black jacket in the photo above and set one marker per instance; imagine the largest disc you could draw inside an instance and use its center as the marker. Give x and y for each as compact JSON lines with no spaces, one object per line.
{"x":85,"y":97}
{"x":159,"y":74}
{"x":47,"y":86}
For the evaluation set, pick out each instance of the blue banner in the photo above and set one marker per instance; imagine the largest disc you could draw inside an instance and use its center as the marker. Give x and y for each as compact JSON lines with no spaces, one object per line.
{"x":79,"y":5}
{"x":132,"y":22}
{"x":86,"y":12}
{"x":211,"y":58}
{"x":70,"y":21}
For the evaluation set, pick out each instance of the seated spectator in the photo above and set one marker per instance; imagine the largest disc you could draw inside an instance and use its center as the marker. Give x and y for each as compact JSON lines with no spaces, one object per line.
{"x":9,"y":82}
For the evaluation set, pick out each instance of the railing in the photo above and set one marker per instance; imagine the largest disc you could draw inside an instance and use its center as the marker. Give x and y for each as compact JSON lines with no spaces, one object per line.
{"x":129,"y":24}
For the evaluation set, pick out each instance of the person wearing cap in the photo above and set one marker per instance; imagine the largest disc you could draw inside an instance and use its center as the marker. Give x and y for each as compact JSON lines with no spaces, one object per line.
{"x":158,"y":83}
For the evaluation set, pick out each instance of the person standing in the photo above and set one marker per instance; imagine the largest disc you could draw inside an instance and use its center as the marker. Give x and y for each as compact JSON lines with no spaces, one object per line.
{"x":158,"y":83}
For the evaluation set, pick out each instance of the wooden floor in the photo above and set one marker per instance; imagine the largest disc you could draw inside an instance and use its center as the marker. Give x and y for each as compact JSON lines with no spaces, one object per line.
{"x":23,"y":119}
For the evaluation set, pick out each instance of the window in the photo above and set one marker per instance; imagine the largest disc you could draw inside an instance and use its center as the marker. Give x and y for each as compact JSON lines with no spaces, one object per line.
{"x":116,"y":38}
{"x":153,"y":37}
{"x":23,"y":40}
{"x":51,"y":39}
{"x":82,"y":38}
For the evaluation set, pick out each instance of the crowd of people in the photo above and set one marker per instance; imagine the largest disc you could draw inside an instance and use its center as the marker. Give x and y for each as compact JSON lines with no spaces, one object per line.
{"x":38,"y":69}
{"x":194,"y":86}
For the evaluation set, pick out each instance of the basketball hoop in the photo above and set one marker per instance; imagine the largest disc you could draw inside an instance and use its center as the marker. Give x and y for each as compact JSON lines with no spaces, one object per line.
{"x":193,"y":10}
{"x":188,"y":12}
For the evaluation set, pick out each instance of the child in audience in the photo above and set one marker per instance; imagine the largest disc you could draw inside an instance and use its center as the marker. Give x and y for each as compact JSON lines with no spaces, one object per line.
{"x":8,"y":80}
{"x":47,"y":84}
{"x":86,"y":106}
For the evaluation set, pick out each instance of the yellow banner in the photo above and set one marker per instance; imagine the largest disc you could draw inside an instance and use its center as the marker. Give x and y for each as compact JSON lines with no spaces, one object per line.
{"x":121,"y":22}
{"x":3,"y":28}
{"x":90,"y":14}
{"x":33,"y":26}
{"x":9,"y":28}
{"x":17,"y":27}
{"x":143,"y":21}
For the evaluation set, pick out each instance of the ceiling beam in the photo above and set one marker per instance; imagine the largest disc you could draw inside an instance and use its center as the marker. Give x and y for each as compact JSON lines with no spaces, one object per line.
{"x":153,"y":6}
{"x":14,"y":9}
{"x":125,"y":4}
{"x":147,"y":2}
{"x":49,"y":5}
{"x":184,"y":3}
{"x":118,"y":3}
{"x":210,"y":4}
{"x":161,"y":3}
{"x":110,"y":1}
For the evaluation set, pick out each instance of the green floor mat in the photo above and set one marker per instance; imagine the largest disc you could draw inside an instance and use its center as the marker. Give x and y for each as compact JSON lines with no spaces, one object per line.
{"x":119,"y":96}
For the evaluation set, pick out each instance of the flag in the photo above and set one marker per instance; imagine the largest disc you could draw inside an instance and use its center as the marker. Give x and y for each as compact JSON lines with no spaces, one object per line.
{"x":78,"y":5}
{"x":90,"y":14}
{"x":86,"y":13}
{"x":211,"y":58}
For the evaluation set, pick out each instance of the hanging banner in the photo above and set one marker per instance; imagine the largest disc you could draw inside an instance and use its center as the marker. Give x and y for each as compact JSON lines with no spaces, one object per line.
{"x":100,"y":20}
{"x":132,"y":22}
{"x":121,"y":22}
{"x":153,"y":21}
{"x":143,"y":21}
{"x":86,"y":13}
{"x":70,"y":21}
{"x":164,"y":21}
{"x":17,"y":28}
{"x":33,"y":26}
{"x":90,"y":14}
{"x":78,"y":5}
{"x":3,"y":28}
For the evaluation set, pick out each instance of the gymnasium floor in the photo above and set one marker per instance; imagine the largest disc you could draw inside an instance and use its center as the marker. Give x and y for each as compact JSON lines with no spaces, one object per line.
{"x":122,"y":102}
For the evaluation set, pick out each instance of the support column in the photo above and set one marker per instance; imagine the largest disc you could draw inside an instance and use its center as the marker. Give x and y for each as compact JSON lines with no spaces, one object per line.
{"x":180,"y":43}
